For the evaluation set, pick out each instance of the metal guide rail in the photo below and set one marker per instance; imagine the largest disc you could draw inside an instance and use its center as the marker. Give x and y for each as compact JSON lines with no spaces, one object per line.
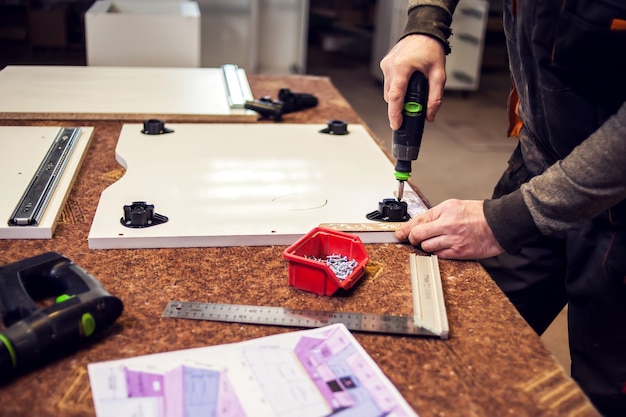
{"x":237,"y":89}
{"x":39,"y":191}
{"x":429,"y":307}
{"x":430,"y":317}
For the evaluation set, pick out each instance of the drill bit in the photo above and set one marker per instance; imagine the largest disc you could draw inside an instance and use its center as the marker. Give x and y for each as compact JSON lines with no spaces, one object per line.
{"x":400,"y":190}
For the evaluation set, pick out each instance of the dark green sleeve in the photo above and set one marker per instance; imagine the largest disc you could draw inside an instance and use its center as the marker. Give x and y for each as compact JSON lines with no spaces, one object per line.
{"x":432,"y":18}
{"x":510,"y":221}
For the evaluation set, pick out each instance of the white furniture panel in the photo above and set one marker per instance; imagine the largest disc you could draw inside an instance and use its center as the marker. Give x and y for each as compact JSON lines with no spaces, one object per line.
{"x":22,"y":150}
{"x":243,"y":185}
{"x":116,"y":93}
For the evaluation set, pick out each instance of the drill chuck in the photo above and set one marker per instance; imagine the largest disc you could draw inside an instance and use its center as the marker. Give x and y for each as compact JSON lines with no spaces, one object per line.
{"x":403,"y":170}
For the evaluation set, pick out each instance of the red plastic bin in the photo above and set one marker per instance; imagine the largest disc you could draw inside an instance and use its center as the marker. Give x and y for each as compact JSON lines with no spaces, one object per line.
{"x":315,"y":276}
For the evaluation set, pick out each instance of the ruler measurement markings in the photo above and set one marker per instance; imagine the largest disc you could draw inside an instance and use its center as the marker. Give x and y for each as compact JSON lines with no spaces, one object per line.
{"x":366,"y":322}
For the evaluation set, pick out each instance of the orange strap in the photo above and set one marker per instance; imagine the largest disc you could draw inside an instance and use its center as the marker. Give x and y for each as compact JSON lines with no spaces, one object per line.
{"x":618,"y":25}
{"x":515,"y":123}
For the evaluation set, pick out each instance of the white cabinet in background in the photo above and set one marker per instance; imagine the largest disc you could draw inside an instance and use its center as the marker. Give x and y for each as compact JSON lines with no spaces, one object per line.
{"x":463,"y":65}
{"x":260,"y":36}
{"x":164,"y":33}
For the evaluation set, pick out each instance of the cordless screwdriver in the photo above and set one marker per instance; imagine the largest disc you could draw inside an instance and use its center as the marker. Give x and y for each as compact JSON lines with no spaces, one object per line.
{"x":407,"y":140}
{"x":36,"y":334}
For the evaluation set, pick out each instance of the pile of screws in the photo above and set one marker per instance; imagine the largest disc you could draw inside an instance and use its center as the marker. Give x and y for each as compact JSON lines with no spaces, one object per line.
{"x":339,"y":264}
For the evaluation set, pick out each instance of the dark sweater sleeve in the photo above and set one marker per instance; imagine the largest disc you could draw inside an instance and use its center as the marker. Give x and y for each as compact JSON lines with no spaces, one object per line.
{"x":431,"y":18}
{"x":590,"y":180}
{"x":510,"y":221}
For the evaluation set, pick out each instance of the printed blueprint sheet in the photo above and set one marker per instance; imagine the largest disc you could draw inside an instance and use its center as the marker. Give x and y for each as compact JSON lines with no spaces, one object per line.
{"x":307,"y":373}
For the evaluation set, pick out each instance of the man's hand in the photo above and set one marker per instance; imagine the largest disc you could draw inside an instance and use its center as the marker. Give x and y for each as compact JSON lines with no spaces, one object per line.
{"x":454,"y":229}
{"x":414,"y":52}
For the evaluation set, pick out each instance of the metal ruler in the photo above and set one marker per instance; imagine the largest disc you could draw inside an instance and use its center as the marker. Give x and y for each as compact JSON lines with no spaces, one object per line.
{"x":39,"y":191}
{"x":430,"y":318}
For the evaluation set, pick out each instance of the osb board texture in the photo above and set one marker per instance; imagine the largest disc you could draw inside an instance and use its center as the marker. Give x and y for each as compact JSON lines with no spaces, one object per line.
{"x":492,"y":365}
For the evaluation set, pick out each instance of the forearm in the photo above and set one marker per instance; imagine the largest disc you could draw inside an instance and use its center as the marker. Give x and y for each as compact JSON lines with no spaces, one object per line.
{"x":591,"y":179}
{"x":432,"y":18}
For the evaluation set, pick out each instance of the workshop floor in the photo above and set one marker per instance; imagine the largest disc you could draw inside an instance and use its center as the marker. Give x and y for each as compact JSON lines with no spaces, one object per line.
{"x":463,"y":152}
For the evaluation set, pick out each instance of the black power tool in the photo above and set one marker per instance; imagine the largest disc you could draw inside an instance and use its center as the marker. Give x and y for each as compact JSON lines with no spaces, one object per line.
{"x":407,"y":140}
{"x":287,"y":102}
{"x":35,"y":335}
